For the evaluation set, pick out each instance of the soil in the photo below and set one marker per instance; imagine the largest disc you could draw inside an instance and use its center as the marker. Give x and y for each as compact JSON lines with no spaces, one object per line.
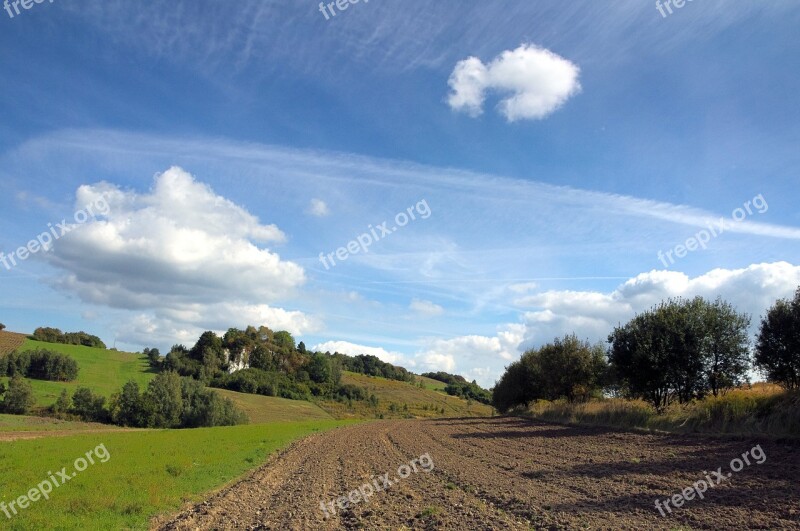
{"x":507,"y":473}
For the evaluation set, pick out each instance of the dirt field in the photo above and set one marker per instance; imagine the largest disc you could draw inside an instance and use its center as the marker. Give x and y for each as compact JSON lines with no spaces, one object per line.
{"x":507,"y":473}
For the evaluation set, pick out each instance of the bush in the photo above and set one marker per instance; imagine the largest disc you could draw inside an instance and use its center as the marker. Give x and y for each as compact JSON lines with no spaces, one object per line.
{"x":54,"y":335}
{"x":351,"y":392}
{"x":18,"y":398}
{"x":88,"y":406}
{"x":41,"y":365}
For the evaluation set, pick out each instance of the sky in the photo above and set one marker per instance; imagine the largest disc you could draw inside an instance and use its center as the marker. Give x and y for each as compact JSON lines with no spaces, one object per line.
{"x":441,"y":184}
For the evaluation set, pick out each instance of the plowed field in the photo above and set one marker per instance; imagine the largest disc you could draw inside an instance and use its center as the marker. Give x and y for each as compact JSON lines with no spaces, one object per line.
{"x":506,"y":473}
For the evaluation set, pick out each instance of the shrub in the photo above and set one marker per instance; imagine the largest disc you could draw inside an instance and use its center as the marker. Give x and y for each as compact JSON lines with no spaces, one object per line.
{"x":18,"y":398}
{"x":88,"y":406}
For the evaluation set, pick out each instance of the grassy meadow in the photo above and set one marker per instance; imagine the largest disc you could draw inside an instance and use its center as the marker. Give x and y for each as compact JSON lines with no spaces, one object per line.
{"x":262,"y":409}
{"x":103,"y":371}
{"x":149,"y":472}
{"x":760,"y":410}
{"x":409,"y":400}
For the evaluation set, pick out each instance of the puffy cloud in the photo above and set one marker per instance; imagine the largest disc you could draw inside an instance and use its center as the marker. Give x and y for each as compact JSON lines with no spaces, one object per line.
{"x":353,"y":349}
{"x":425,"y":308}
{"x":539,"y":81}
{"x":318,"y":208}
{"x":181,"y":253}
{"x":593,"y":315}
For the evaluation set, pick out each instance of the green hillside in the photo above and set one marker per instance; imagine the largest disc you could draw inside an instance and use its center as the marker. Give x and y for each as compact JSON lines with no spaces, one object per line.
{"x":263,"y":409}
{"x":398,"y":399}
{"x":103,"y":371}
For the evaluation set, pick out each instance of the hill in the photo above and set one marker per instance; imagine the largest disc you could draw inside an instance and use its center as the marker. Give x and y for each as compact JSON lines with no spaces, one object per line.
{"x":398,"y":399}
{"x":103,"y":371}
{"x":263,"y":409}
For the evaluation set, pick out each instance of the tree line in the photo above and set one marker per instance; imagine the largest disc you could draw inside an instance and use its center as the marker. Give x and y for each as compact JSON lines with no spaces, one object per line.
{"x":458,"y":386}
{"x":679,"y":350}
{"x":39,"y":364}
{"x":54,"y":335}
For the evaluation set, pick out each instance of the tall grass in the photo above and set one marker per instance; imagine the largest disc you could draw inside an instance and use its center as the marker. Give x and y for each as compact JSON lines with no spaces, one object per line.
{"x":763,"y":410}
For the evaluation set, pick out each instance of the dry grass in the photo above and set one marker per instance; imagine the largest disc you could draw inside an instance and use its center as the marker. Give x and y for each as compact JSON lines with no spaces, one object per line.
{"x":764,"y":410}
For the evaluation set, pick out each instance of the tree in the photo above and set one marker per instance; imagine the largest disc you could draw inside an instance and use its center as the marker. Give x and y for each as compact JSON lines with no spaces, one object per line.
{"x":727,"y":347}
{"x":301,"y":348}
{"x":284,"y":340}
{"x":519,"y":385}
{"x":680,"y":349}
{"x":128,"y":408}
{"x":778,"y":343}
{"x":164,"y":400}
{"x":153,"y":357}
{"x":18,"y":398}
{"x":571,"y":368}
{"x":62,"y":405}
{"x":2,"y":327}
{"x":88,"y":406}
{"x":319,"y":368}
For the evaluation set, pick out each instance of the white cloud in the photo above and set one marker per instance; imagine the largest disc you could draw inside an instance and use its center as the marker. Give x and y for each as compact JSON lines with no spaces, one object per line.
{"x":593,"y":315}
{"x":182,"y":252}
{"x":353,"y":349}
{"x":539,"y":81}
{"x":425,"y":308}
{"x":318,"y":208}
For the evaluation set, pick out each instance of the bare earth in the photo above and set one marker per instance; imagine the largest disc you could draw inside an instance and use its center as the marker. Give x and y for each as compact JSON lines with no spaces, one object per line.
{"x":507,"y":473}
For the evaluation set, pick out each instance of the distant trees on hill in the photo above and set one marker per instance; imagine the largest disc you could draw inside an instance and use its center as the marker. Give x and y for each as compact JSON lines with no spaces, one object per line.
{"x":54,"y":335}
{"x":373,"y":366}
{"x":2,"y":327}
{"x":40,"y":365}
{"x":170,"y":401}
{"x":457,"y":385}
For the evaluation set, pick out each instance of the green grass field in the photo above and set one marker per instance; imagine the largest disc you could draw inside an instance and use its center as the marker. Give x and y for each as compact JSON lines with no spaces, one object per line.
{"x":10,"y":423}
{"x":103,"y":371}
{"x":430,"y":383}
{"x":148,"y":472}
{"x":263,"y":409}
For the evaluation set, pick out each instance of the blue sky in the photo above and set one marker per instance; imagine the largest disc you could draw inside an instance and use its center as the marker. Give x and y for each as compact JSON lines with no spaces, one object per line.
{"x":559,"y":148}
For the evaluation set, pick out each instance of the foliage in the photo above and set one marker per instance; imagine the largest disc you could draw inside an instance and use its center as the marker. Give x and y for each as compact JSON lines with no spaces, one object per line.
{"x":778,"y":343}
{"x":18,"y":398}
{"x":567,"y":368}
{"x":681,"y":349}
{"x":267,"y":383}
{"x":88,"y":406}
{"x":153,"y":358}
{"x":469,"y":391}
{"x":40,"y":364}
{"x":373,"y":366}
{"x":54,"y":335}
